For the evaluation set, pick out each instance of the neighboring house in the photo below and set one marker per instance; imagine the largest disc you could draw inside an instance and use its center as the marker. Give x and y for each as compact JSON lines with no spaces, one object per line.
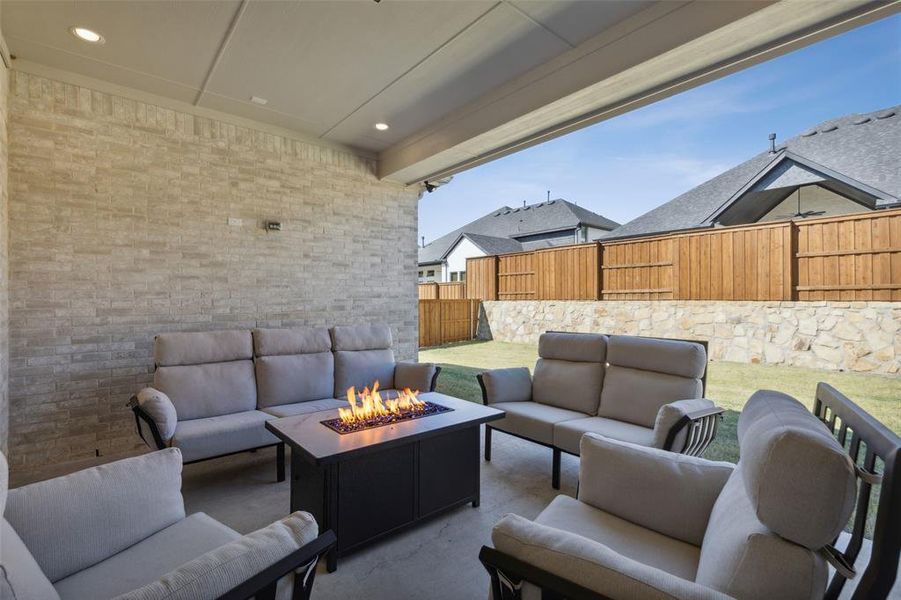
{"x":845,"y":165}
{"x":505,"y":230}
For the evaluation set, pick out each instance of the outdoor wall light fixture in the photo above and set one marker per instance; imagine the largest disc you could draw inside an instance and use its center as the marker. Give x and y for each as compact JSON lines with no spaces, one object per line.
{"x":86,"y":35}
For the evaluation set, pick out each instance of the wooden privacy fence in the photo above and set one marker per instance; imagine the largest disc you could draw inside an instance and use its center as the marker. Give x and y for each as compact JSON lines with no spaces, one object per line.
{"x":445,"y":321}
{"x":455,"y":290}
{"x":854,"y":257}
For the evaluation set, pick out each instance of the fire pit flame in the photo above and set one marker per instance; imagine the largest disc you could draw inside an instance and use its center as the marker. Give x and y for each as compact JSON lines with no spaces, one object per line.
{"x":371,"y":405}
{"x":367,"y":409}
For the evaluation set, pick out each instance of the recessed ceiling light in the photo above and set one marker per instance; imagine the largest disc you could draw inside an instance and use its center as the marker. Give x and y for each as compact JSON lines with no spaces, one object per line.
{"x":87,"y":35}
{"x":258,"y":100}
{"x":381,"y":126}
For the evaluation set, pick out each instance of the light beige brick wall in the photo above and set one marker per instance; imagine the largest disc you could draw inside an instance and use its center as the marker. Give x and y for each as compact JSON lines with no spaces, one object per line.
{"x":119,"y":230}
{"x":4,"y":263}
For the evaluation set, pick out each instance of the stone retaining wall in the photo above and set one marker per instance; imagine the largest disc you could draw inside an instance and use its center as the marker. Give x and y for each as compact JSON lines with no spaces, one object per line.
{"x":840,"y":336}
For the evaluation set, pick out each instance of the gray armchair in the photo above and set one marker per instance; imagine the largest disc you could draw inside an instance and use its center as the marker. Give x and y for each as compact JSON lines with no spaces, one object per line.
{"x":646,"y":391}
{"x":653,"y":524}
{"x":120,"y":531}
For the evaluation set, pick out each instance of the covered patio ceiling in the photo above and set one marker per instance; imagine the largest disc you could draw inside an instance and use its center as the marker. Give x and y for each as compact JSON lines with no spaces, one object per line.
{"x":458,"y":83}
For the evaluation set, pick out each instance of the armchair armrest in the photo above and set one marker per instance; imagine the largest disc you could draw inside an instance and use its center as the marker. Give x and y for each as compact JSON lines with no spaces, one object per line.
{"x":72,"y":522}
{"x":155,"y":417}
{"x":670,"y":493}
{"x":416,"y":376}
{"x":506,"y":385}
{"x":687,"y":426}
{"x":571,"y":566}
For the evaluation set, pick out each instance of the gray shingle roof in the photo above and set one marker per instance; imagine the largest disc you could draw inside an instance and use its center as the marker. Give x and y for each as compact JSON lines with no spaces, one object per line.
{"x":506,"y":223}
{"x":862,"y":147}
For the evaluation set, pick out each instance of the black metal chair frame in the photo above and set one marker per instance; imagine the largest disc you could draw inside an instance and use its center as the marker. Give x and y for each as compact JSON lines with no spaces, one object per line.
{"x":853,"y":427}
{"x":702,"y":426}
{"x":302,"y":562}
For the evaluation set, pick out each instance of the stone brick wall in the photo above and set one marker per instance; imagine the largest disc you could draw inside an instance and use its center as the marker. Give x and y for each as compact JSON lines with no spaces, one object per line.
{"x":851,"y":336}
{"x":4,"y":263}
{"x":119,"y":230}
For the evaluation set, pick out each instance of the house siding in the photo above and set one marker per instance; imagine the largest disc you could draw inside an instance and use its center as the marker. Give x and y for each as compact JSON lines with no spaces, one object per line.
{"x":119,"y":215}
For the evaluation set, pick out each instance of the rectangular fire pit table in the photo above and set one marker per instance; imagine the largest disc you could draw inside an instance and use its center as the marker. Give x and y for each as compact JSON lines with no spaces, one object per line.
{"x":371,"y":483}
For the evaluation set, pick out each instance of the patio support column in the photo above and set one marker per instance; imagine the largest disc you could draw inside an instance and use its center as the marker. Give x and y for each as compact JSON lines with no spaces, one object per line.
{"x":555,"y":473}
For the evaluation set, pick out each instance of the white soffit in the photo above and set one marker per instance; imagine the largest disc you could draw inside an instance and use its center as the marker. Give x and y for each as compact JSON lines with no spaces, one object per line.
{"x":459,"y":83}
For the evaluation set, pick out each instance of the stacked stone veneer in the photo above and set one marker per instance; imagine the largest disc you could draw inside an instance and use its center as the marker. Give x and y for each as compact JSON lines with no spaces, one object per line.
{"x":852,"y":336}
{"x":119,"y":230}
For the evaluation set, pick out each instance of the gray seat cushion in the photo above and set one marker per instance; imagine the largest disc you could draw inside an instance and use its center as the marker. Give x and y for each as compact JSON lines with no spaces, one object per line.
{"x":294,"y":378}
{"x":208,"y":390}
{"x":573,"y":347}
{"x":361,"y":337}
{"x":202,"y":347}
{"x":635,"y":396}
{"x":303,"y":408}
{"x":568,"y":434}
{"x":285,"y":342}
{"x":566,"y":384}
{"x":533,"y":420}
{"x":214,"y":436}
{"x":23,"y":576}
{"x":148,"y":560}
{"x":673,"y":357}
{"x":362,"y":356}
{"x":72,"y":522}
{"x":633,"y":541}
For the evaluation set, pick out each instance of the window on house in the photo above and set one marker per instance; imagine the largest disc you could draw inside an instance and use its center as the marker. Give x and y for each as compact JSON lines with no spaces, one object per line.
{"x":430,"y":273}
{"x":453,"y":276}
{"x":462,"y":275}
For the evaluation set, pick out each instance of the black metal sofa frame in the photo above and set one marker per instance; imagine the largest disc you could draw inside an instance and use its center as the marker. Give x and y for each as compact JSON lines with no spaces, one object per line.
{"x":866,"y":440}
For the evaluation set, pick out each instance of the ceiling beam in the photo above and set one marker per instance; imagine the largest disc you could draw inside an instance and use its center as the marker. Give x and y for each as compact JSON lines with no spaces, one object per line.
{"x":666,"y":49}
{"x":233,"y":26}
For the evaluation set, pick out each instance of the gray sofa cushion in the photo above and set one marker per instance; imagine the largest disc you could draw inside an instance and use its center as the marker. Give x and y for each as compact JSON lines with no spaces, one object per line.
{"x":305,"y":408}
{"x":194,"y":348}
{"x":574,"y":347}
{"x":300,"y":340}
{"x":294,"y":378}
{"x":148,"y":560}
{"x":361,"y":337}
{"x":636,"y":396}
{"x":362,"y":368}
{"x":800,"y":482}
{"x":532,"y":420}
{"x":568,"y":434}
{"x":741,"y":557}
{"x":160,"y":409}
{"x":672,"y":494}
{"x":208,"y":390}
{"x":212,"y":574}
{"x":507,"y":385}
{"x":669,"y":415}
{"x":416,"y":376}
{"x":566,"y":384}
{"x":214,"y":436}
{"x":673,"y":357}
{"x":626,"y":538}
{"x":24,"y":579}
{"x":591,"y":564}
{"x":72,"y":522}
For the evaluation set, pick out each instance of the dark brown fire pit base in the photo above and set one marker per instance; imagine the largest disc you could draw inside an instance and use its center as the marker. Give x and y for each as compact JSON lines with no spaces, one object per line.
{"x":427,"y":410}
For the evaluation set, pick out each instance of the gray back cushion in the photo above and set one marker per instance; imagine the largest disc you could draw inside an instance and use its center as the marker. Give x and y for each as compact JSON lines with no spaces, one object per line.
{"x":800,"y":481}
{"x":570,"y":371}
{"x":211,"y":390}
{"x":643,"y":374}
{"x":741,"y":557}
{"x":147,"y":490}
{"x":363,"y":356}
{"x":196,"y":348}
{"x":207,"y":373}
{"x":293,"y":365}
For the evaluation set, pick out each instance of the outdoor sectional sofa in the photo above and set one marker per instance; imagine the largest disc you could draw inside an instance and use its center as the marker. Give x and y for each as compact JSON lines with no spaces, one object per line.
{"x":647,"y":391}
{"x":214,"y":391}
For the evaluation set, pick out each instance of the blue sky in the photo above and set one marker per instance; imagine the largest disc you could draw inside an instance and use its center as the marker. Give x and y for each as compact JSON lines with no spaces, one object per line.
{"x":626,"y":166}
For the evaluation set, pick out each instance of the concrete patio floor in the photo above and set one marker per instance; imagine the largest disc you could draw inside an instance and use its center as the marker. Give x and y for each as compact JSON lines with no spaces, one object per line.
{"x":436,"y":560}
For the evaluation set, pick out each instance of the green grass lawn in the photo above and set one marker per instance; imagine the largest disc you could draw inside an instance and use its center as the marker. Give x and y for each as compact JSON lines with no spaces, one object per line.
{"x":729,"y":384}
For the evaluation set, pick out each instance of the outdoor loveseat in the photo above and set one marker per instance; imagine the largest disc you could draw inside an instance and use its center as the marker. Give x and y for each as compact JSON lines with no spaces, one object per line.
{"x":120,"y":531}
{"x":214,"y":391}
{"x":647,"y":391}
{"x":653,"y":524}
